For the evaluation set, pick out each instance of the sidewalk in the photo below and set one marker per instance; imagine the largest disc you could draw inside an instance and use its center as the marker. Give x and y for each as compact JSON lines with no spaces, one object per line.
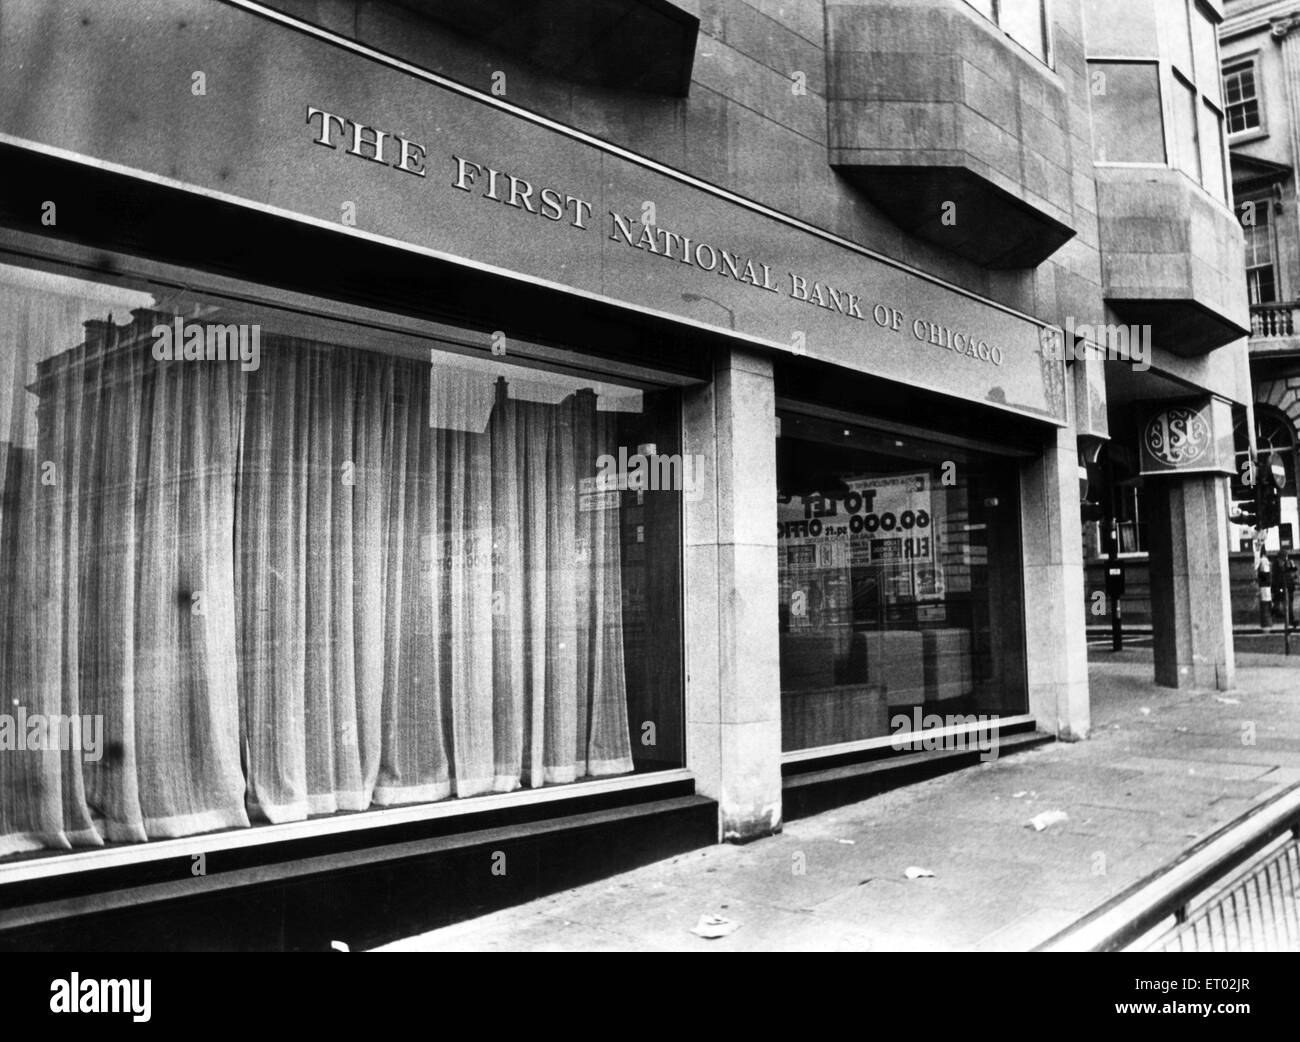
{"x":1161,"y":769}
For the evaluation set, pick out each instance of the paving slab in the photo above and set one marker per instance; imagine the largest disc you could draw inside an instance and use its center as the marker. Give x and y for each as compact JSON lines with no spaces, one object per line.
{"x":1141,"y":790}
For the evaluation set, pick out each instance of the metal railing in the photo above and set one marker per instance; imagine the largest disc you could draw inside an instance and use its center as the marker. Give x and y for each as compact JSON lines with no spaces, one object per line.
{"x":1235,"y":890}
{"x":1274,"y":320}
{"x":1256,"y":912}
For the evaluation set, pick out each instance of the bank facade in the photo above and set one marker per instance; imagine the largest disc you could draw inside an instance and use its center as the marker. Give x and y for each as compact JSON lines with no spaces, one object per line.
{"x":454,"y":450}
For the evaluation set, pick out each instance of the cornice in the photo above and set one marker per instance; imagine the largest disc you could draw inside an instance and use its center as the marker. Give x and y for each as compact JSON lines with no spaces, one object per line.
{"x":1280,"y":28}
{"x":1257,"y":17}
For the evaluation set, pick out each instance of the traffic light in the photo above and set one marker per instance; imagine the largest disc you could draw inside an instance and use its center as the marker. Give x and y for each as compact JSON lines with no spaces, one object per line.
{"x":1270,"y":502}
{"x":1264,"y":510}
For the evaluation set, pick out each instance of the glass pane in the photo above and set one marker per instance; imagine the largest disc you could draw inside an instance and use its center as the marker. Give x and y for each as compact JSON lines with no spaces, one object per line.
{"x":1255,"y":216}
{"x":1243,"y":117}
{"x":1127,"y":126}
{"x":1261,"y":284}
{"x":899,"y":575}
{"x":1239,"y":82}
{"x":984,"y":7}
{"x":1239,"y":92}
{"x":1176,"y":31}
{"x":273,"y":566}
{"x":1212,"y":151}
{"x":1206,"y":45}
{"x":1187,"y":157}
{"x":1022,"y":20}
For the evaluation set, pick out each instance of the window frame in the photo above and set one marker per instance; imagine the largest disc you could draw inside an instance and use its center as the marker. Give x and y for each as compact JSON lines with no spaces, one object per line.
{"x":1162,"y":101}
{"x":1182,"y":86}
{"x":1171,"y":75}
{"x":1193,"y":76}
{"x":1217,"y":122}
{"x":1048,"y":57}
{"x":1015,"y":456}
{"x":1263,"y":200}
{"x":1236,"y":62}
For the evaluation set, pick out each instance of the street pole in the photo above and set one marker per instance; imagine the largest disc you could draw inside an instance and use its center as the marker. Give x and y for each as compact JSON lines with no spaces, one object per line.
{"x":1115,"y":592}
{"x":1265,"y":580}
{"x":1288,"y":590}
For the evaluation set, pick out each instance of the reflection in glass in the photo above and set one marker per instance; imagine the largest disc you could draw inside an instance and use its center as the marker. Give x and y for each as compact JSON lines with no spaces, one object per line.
{"x":899,"y":575}
{"x":1127,"y":126}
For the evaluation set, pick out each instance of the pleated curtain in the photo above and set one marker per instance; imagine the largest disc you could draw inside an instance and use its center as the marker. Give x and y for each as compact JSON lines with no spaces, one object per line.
{"x":340,"y":581}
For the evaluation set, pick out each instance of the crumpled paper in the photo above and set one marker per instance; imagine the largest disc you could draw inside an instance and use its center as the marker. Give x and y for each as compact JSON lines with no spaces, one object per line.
{"x":711,"y":927}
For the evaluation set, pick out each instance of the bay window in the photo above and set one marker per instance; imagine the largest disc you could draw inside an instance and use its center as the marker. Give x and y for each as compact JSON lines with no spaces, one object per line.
{"x":1212,"y":151}
{"x":1025,"y":21}
{"x":1126,"y":123}
{"x":1135,"y":55}
{"x":1187,"y":144}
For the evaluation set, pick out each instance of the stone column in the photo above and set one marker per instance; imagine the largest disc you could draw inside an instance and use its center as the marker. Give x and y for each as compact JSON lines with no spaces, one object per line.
{"x":1055,"y":634}
{"x":1191,"y":607}
{"x":1286,"y":30}
{"x":733,"y":681}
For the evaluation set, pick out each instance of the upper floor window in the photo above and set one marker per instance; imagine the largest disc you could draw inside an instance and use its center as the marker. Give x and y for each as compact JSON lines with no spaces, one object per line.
{"x":1242,"y":96}
{"x":1202,"y":76}
{"x":1133,"y":62}
{"x":1261,"y":270}
{"x":1126,"y":122}
{"x":1025,"y":21}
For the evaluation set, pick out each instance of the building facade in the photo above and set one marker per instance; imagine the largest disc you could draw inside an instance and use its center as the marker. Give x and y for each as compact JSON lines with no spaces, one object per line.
{"x":1261,"y":72}
{"x":481,"y":441}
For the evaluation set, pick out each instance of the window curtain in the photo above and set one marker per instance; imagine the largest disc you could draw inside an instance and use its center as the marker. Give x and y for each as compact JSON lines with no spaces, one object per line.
{"x":339,"y":581}
{"x":115,"y":531}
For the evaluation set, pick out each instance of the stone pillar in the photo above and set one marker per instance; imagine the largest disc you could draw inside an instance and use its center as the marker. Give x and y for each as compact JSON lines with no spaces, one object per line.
{"x":1055,"y":635}
{"x":733,"y":680}
{"x":1191,"y":608}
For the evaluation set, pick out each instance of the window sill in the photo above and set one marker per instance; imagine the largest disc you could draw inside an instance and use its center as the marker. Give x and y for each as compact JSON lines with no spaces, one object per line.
{"x":1244,"y":137}
{"x":295,"y":897}
{"x":48,"y":865}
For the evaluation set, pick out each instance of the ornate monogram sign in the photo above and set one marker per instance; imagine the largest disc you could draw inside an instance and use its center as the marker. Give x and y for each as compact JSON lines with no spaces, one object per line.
{"x":1178,"y":437}
{"x":1187,"y":436}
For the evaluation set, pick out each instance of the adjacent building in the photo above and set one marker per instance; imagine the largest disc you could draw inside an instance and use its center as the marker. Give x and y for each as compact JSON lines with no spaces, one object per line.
{"x":1261,"y":71}
{"x":454,"y":449}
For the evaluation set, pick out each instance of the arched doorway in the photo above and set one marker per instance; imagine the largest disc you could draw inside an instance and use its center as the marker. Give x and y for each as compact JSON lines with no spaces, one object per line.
{"x":1275,"y":439}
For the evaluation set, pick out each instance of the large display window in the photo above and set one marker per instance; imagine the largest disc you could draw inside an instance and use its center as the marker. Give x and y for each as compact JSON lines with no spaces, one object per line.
{"x":260,"y":566}
{"x":899,"y":569}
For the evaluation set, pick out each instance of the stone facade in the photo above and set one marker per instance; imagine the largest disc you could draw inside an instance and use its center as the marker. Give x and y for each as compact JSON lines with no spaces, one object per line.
{"x":844,"y":129}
